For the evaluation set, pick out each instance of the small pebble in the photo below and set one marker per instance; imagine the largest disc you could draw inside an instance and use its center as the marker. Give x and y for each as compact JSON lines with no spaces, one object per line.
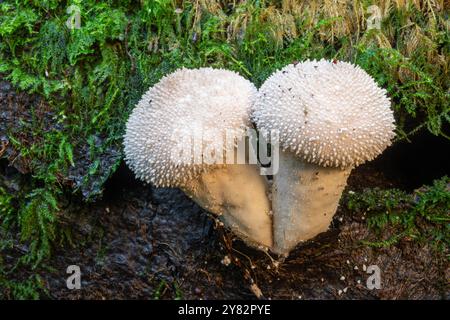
{"x":339,"y":292}
{"x":364,"y":267}
{"x":356,"y":268}
{"x":342,"y":278}
{"x":358,"y":281}
{"x":348,"y":261}
{"x":345,"y":289}
{"x":225,"y":261}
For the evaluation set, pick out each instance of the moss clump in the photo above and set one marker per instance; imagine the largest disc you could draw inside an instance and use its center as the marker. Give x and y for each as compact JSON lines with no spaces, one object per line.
{"x":421,"y":216}
{"x":11,"y":286}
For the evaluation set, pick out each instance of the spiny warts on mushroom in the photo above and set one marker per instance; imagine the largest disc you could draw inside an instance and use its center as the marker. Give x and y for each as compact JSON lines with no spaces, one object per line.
{"x":331,"y":117}
{"x":178,"y":134}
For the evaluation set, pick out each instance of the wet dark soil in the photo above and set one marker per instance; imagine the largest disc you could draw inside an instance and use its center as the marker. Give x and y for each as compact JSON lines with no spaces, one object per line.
{"x":25,"y":118}
{"x":17,"y":111}
{"x":419,"y":161}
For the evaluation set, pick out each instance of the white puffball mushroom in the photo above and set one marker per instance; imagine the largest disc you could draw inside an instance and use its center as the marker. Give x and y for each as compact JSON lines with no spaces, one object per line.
{"x":331,"y":116}
{"x":178,"y":134}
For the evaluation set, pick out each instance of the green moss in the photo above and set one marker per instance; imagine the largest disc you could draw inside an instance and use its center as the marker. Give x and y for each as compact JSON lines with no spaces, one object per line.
{"x":12,"y":287}
{"x":422,"y":216}
{"x":28,"y":289}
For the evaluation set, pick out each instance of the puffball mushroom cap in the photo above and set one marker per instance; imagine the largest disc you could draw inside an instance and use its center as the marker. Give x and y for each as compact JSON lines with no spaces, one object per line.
{"x":329,"y":113}
{"x":187,"y":113}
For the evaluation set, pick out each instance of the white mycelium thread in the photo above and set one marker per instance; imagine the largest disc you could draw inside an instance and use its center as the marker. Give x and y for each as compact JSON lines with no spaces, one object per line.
{"x":328,"y":113}
{"x":190,"y":109}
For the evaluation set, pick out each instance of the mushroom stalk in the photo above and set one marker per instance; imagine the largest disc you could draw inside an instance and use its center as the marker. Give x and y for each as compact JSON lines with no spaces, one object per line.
{"x":237,"y":193}
{"x":305,"y":197}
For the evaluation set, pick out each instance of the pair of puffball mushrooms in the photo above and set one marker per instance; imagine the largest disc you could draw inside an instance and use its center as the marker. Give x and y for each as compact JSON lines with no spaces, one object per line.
{"x":330,"y":116}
